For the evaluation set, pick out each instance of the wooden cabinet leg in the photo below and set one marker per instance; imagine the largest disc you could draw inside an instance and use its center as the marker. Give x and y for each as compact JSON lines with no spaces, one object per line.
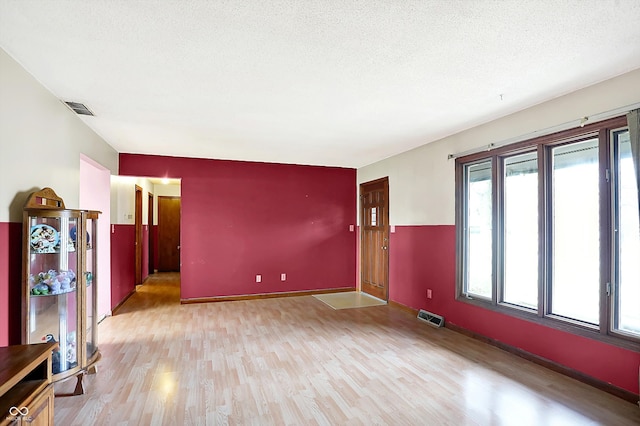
{"x":79,"y":390}
{"x":93,"y":369}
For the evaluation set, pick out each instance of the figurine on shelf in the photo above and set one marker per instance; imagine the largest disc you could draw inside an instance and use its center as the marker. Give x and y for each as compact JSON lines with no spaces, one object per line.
{"x":52,"y":282}
{"x":40,"y":289}
{"x":72,"y":235}
{"x":65,"y":278}
{"x":55,"y":287}
{"x":44,"y":239}
{"x":71,"y":348}
{"x":55,"y":358}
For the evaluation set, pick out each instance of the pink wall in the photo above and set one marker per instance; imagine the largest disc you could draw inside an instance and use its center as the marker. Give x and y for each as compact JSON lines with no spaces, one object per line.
{"x":240,"y":219}
{"x":95,"y":194}
{"x":423,"y":257}
{"x":10,"y":282}
{"x":122,"y":262}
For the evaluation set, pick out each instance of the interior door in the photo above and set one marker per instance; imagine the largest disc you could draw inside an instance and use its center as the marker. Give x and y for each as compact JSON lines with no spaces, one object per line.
{"x":150,"y":226}
{"x":168,"y":234}
{"x":138,"y":236}
{"x":374,"y":242}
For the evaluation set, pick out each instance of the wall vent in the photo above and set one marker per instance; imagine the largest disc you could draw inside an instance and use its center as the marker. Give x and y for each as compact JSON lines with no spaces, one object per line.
{"x":431,"y":319}
{"x":79,"y":108}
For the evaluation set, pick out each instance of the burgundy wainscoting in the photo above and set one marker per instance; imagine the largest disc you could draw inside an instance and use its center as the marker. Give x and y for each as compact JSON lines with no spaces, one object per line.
{"x":423,"y":257}
{"x":10,"y":282}
{"x":122,"y":263}
{"x":241,"y":219}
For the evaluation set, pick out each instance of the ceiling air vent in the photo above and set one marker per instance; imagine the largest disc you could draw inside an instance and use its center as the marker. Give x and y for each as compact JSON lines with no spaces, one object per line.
{"x":431,"y":319}
{"x":79,"y":108}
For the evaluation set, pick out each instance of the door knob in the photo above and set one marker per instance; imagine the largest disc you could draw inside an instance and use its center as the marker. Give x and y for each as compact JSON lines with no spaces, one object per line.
{"x":384,"y":247}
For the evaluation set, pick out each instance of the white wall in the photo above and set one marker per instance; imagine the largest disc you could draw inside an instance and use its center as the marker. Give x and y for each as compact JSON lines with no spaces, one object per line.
{"x":123,"y":206}
{"x":44,"y":144}
{"x":40,"y":142}
{"x":421,"y":181}
{"x":123,"y":199}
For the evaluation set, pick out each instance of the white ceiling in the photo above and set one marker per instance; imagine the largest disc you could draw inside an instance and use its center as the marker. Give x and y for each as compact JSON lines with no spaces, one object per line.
{"x":324,"y":82}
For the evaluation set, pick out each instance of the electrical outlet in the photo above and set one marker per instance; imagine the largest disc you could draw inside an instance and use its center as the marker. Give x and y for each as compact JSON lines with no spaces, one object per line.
{"x":258,"y":278}
{"x":283,"y":277}
{"x":429,"y":294}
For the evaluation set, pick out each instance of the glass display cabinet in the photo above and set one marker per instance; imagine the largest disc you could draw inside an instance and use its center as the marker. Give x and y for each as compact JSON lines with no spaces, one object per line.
{"x":59,"y":289}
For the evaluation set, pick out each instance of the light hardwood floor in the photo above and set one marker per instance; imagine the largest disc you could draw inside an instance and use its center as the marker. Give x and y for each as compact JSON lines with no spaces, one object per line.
{"x":296,"y":361}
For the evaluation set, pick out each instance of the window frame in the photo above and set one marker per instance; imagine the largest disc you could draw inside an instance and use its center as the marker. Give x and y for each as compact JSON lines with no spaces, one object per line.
{"x":543,"y":145}
{"x":614,"y":275}
{"x":501,"y":264}
{"x":466,"y":221}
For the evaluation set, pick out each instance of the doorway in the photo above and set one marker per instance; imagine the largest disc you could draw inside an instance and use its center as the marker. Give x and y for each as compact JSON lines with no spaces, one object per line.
{"x":374,"y":242}
{"x":138,"y":236}
{"x":169,"y":234}
{"x":150,"y":234}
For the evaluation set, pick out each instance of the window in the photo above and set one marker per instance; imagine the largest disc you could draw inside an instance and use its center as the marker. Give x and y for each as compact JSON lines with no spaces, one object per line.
{"x":549,"y":230}
{"x":479,"y":228}
{"x":627,"y":244}
{"x":521,"y":230}
{"x":575,"y":265}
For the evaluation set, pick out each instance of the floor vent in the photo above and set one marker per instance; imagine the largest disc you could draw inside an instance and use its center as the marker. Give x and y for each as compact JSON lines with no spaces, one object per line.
{"x":431,"y":319}
{"x":79,"y":108}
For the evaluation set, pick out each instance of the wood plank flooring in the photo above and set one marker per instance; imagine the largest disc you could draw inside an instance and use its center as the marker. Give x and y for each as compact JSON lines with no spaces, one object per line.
{"x":296,"y":361}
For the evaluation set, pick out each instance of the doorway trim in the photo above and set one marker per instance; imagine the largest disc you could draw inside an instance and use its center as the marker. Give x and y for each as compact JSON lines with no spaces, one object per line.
{"x":150,"y":229}
{"x":138,"y":235}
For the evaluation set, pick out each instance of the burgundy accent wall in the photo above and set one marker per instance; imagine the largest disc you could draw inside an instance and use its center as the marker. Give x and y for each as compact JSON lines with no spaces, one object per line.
{"x":122,"y":262}
{"x":10,"y":282}
{"x":423,"y":257}
{"x":240,"y":219}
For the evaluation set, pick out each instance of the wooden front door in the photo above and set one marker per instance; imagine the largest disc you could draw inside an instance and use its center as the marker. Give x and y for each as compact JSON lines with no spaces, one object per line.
{"x":150,"y":234}
{"x":138,"y":236}
{"x":374,"y":242}
{"x":168,"y":234}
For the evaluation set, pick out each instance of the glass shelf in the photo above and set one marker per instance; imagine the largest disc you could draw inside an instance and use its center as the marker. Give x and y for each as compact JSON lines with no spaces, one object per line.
{"x":59,"y":293}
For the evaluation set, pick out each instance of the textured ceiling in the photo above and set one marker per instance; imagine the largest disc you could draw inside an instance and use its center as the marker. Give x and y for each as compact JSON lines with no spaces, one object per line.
{"x":326,"y":82}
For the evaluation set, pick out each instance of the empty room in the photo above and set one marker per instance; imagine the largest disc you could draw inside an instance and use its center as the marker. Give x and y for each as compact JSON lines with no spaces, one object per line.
{"x":320,"y":212}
